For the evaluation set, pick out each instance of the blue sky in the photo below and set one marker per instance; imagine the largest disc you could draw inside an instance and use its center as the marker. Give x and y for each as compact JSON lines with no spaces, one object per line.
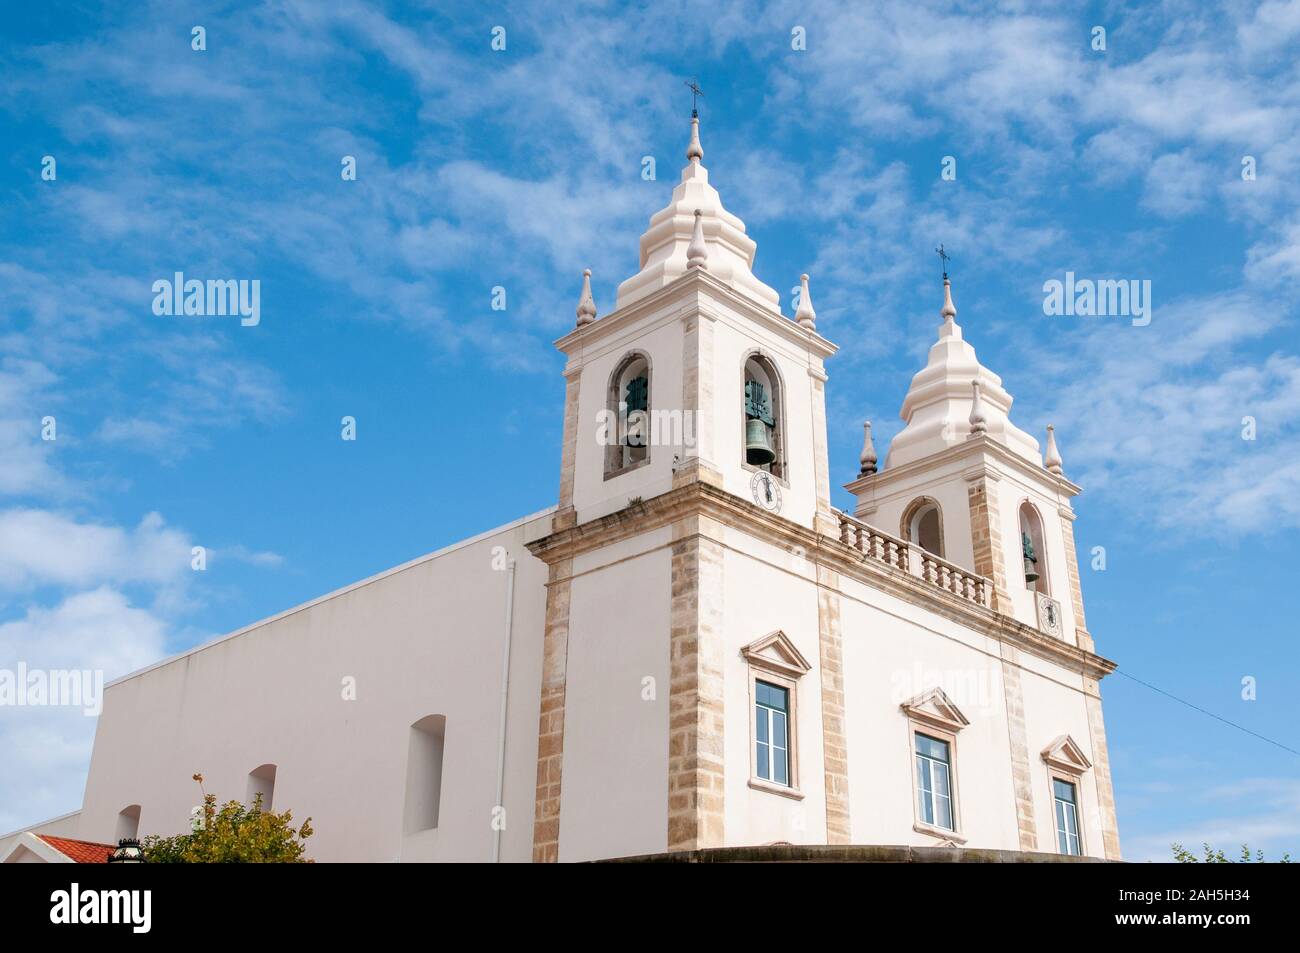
{"x":518,"y":168}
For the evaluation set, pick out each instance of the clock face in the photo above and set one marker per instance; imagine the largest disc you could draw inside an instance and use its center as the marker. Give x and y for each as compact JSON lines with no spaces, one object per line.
{"x":767,"y":492}
{"x":1049,"y":614}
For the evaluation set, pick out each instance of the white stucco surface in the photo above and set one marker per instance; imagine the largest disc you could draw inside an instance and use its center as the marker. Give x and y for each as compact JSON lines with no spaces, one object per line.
{"x":422,"y":639}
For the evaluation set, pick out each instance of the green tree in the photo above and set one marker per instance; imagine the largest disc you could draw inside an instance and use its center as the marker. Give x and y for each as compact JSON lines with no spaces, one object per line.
{"x":233,"y":834}
{"x":1212,"y":856}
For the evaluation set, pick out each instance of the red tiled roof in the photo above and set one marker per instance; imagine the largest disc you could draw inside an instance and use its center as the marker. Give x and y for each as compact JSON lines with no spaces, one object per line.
{"x":81,"y":851}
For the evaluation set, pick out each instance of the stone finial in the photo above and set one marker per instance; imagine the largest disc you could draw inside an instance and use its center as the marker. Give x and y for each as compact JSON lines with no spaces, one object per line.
{"x":948,"y":313}
{"x":1052,"y":458}
{"x":978,"y":422}
{"x":586,"y":303}
{"x":697,"y":253}
{"x":868,"y":458}
{"x":695,"y":151}
{"x":806,"y":316}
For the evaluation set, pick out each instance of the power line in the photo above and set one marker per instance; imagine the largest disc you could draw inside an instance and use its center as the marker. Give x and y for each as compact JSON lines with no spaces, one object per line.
{"x":1278,"y":744}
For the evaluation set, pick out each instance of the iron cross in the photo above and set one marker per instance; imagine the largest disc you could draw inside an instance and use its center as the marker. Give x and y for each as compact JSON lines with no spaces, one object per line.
{"x":943,"y":257}
{"x":694,"y":87}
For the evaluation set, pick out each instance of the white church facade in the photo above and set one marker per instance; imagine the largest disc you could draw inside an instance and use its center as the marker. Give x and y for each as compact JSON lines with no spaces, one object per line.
{"x":693,"y":648}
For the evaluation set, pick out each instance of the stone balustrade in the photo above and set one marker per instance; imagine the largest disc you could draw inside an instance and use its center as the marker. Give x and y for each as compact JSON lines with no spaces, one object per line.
{"x":879,"y":546}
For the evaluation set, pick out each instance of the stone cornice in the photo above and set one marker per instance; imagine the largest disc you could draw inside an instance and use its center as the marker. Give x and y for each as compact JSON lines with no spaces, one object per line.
{"x":853,"y":854}
{"x":698,"y":499}
{"x":696,"y":280}
{"x":969,"y":448}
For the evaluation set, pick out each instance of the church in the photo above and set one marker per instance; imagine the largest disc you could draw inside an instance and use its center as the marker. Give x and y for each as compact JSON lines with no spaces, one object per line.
{"x":692,"y":648}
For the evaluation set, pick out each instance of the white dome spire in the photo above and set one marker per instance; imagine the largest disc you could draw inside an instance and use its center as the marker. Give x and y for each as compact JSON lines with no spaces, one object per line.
{"x":942,"y":407}
{"x":666,"y":244}
{"x":586,"y":303}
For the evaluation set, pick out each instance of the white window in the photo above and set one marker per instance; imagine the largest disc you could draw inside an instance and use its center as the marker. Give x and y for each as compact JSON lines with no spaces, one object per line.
{"x":934,"y":781}
{"x":933,"y":722}
{"x":775,"y":668}
{"x":1066,"y":767}
{"x":1067,"y":816}
{"x":772,"y":733}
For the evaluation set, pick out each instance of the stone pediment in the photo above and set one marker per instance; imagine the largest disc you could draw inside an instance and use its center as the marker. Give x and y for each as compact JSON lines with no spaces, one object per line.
{"x":775,"y":652}
{"x":936,"y":708}
{"x":1064,"y":753}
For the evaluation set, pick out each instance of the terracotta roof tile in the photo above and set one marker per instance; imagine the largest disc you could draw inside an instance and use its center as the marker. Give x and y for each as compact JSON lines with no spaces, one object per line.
{"x":81,"y":851}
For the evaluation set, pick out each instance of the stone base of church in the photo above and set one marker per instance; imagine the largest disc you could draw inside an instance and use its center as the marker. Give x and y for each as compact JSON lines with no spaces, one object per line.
{"x":852,"y":854}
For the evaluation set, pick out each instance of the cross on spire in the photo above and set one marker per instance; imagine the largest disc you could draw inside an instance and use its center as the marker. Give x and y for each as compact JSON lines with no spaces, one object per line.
{"x":694,"y":87}
{"x":945,"y":258}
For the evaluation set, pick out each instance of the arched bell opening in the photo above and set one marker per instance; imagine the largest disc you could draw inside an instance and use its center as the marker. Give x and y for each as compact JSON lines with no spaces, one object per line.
{"x":1033,"y":552}
{"x":763,"y":434}
{"x":628,"y":402}
{"x":922,"y":524}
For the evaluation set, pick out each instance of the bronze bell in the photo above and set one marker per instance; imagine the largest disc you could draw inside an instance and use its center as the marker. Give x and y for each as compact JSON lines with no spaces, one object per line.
{"x":758,"y":443}
{"x":1031,"y":564}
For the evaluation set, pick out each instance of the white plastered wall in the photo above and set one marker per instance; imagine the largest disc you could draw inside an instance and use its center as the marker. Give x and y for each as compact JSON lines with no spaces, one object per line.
{"x":894,"y":651}
{"x":1054,"y":706}
{"x":423,"y":639}
{"x":614,"y":795}
{"x":768,"y":588}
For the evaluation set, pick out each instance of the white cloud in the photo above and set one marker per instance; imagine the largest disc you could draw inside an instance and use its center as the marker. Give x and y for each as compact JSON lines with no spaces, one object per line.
{"x":1153,"y":416}
{"x":25,"y":460}
{"x":96,"y":629}
{"x":46,"y":749}
{"x":1276,"y":258}
{"x":26,"y":398}
{"x":1274,"y":29}
{"x":245,"y":555}
{"x":1115,"y":155}
{"x":1271,"y":822}
{"x":1176,"y":184}
{"x":137,"y":432}
{"x":40,"y":547}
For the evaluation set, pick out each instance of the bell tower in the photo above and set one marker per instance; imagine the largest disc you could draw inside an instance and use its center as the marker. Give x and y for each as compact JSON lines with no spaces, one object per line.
{"x":695,"y":374}
{"x":963,"y":481}
{"x":694,"y":437}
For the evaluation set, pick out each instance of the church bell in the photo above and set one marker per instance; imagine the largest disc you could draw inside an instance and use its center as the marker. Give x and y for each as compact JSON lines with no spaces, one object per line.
{"x":758,"y":443}
{"x":1031,"y":563}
